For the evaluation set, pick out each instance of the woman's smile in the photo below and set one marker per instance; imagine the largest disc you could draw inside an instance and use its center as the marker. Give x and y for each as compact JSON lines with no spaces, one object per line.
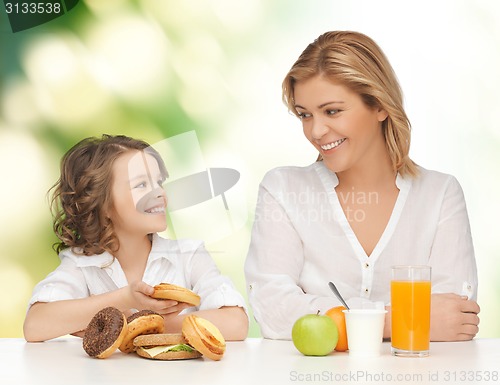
{"x":333,"y":145}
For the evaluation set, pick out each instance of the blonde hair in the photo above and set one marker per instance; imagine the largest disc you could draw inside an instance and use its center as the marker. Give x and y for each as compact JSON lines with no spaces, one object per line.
{"x":355,"y":61}
{"x":82,"y":195}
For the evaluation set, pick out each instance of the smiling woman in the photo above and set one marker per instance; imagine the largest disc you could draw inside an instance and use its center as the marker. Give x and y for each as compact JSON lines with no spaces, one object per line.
{"x":355,"y":124}
{"x":351,"y":66}
{"x":381,"y":208}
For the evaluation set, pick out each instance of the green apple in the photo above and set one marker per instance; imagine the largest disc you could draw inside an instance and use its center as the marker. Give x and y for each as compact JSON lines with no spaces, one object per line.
{"x":315,"y":335}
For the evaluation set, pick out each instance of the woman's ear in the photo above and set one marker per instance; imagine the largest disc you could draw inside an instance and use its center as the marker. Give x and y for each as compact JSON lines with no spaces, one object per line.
{"x":381,"y":114}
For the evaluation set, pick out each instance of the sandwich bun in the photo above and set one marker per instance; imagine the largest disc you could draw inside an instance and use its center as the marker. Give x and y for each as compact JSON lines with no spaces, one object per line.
{"x":204,"y":337}
{"x":176,"y":293}
{"x":164,"y":347}
{"x":141,"y":322}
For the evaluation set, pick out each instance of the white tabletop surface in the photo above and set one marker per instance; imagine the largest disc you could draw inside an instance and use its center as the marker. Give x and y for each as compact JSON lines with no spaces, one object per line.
{"x":259,"y":361}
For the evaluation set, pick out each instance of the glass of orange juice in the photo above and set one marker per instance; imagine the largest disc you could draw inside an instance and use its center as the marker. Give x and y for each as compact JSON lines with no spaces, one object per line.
{"x":410,"y":310}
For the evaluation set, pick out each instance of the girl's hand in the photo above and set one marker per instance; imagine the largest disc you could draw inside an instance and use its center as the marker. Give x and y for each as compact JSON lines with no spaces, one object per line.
{"x":138,"y":296}
{"x":453,"y":318}
{"x":173,"y":310}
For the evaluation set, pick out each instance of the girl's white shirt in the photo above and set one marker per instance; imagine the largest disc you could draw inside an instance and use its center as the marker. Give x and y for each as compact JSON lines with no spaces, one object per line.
{"x":181,"y":262}
{"x":302,"y":239}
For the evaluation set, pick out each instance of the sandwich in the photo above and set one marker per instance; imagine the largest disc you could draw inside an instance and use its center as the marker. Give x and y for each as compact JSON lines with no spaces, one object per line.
{"x":204,"y":337}
{"x":199,"y":337}
{"x":176,"y":293}
{"x":164,"y":347}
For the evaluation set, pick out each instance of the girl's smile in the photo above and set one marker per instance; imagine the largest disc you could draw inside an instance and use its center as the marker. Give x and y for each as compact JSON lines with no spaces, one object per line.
{"x":139,"y":201}
{"x":156,"y":210}
{"x":152,"y":203}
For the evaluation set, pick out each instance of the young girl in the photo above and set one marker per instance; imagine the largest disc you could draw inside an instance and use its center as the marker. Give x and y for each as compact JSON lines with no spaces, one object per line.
{"x":109,"y":205}
{"x":362,"y":207}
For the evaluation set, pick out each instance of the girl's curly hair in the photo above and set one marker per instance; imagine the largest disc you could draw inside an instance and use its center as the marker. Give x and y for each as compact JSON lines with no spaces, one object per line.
{"x":82,"y":195}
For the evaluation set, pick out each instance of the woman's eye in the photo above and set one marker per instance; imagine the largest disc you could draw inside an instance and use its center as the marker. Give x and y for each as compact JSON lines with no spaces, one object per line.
{"x":140,"y":185}
{"x":304,"y":115}
{"x":332,"y":112}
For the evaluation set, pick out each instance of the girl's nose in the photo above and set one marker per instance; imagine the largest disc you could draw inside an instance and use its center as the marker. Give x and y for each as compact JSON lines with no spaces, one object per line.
{"x":159,"y":192}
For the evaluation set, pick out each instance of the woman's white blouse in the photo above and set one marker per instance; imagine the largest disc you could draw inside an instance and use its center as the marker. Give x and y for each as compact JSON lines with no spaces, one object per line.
{"x":301,"y":240}
{"x":181,"y":262}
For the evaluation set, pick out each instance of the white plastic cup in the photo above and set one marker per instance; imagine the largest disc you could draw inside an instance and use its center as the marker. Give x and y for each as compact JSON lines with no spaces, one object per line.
{"x":365,"y":331}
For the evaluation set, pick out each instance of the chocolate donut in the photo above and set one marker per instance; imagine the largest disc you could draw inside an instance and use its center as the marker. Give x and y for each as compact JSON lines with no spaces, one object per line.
{"x":105,"y":332}
{"x":139,"y":323}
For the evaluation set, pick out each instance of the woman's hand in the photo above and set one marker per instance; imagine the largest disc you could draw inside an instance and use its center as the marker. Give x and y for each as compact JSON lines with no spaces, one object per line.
{"x":453,"y":318}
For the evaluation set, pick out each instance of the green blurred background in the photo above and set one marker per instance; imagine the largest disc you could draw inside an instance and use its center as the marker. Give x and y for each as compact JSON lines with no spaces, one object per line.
{"x":154,"y":69}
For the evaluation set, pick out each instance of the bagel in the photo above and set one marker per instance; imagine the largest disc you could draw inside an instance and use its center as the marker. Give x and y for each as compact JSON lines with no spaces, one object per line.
{"x":176,"y":293}
{"x":204,"y":336}
{"x":164,"y":347}
{"x":141,"y":322}
{"x":105,"y":332}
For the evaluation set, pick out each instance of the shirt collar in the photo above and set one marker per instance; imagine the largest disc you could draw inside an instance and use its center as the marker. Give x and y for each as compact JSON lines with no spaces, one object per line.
{"x":401,"y":182}
{"x":98,"y":260}
{"x":159,"y":249}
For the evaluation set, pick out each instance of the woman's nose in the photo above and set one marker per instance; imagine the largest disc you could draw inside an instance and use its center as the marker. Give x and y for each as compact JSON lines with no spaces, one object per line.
{"x":319,"y":128}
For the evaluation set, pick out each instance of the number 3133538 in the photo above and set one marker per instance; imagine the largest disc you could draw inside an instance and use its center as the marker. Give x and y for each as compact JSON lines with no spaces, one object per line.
{"x":471,"y":375}
{"x":33,"y":8}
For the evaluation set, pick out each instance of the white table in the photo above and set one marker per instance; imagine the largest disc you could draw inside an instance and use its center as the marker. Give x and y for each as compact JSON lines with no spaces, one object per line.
{"x":258,"y":361}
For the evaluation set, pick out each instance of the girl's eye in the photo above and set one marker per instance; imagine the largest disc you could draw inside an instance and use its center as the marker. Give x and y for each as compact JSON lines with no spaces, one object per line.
{"x":304,"y":115}
{"x":332,"y":112}
{"x":140,"y":185}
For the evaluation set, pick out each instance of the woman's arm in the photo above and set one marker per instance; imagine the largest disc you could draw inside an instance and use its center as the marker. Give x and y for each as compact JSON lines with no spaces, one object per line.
{"x":452,"y":254}
{"x":274,"y":266}
{"x":454,"y":311}
{"x":453,"y":318}
{"x":387,"y":324}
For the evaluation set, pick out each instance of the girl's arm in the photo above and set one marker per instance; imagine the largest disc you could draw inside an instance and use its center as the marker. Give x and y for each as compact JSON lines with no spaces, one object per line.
{"x":221,"y":303}
{"x":232,"y":321}
{"x":47,"y":320}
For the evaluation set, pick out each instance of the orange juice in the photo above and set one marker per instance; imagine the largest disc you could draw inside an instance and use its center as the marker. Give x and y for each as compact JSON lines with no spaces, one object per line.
{"x":410,"y":315}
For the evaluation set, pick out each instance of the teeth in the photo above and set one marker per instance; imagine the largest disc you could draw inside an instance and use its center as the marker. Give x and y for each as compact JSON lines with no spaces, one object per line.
{"x":155,"y":210}
{"x":329,"y":146}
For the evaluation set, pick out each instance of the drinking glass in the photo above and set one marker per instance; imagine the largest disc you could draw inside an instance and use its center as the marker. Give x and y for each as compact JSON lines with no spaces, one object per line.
{"x":410,"y":310}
